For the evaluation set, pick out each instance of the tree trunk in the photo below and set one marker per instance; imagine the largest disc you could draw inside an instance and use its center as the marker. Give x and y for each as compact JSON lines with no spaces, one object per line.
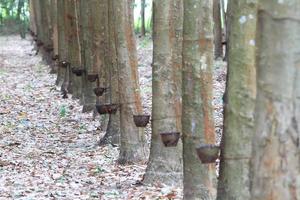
{"x":275,"y":154}
{"x":73,"y":46}
{"x":132,"y":138}
{"x":86,"y":35}
{"x":53,"y":11}
{"x":199,"y":179}
{"x":112,"y":134}
{"x":165,"y":164}
{"x":217,"y":29}
{"x":62,"y":51}
{"x":46,"y":29}
{"x":143,"y":29}
{"x":32,"y":12}
{"x":239,"y":102}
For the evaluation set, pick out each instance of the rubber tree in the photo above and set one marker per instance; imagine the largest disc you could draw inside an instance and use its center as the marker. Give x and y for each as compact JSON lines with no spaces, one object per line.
{"x":165,"y":164}
{"x":234,"y":179}
{"x":199,"y":179}
{"x":132,"y":138}
{"x":46,"y":36}
{"x":275,"y":147}
{"x":62,"y":50}
{"x":112,"y":134}
{"x":86,"y":40}
{"x":53,"y":14}
{"x":73,"y":45}
{"x":33,"y":23}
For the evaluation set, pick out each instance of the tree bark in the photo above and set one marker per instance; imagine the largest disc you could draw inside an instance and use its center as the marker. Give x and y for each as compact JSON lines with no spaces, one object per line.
{"x":217,"y":29}
{"x":32,"y":12}
{"x":239,"y":102}
{"x":165,"y":164}
{"x":86,"y":35}
{"x":275,"y":154}
{"x":53,"y":13}
{"x":112,"y":134}
{"x":73,"y":45}
{"x":199,"y":179}
{"x":132,"y":138}
{"x":62,"y":51}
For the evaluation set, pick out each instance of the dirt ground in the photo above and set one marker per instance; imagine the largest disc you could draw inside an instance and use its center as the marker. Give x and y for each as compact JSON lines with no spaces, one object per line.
{"x":48,"y":148}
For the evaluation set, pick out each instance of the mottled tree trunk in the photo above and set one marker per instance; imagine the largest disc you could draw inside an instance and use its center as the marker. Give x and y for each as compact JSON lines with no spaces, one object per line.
{"x":165,"y":164}
{"x":275,"y":154}
{"x":234,"y":177}
{"x":217,"y":29}
{"x":132,"y":138}
{"x":199,"y":179}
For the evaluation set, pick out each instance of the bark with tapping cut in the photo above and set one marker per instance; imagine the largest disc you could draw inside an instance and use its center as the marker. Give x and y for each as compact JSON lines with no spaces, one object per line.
{"x":62,"y":51}
{"x":86,"y":37}
{"x":72,"y":34}
{"x":199,"y":179}
{"x":101,"y":50}
{"x":275,"y":148}
{"x":217,"y":29}
{"x":234,"y":177}
{"x":165,"y":164}
{"x":143,"y":29}
{"x":132,"y":138}
{"x":112,"y":134}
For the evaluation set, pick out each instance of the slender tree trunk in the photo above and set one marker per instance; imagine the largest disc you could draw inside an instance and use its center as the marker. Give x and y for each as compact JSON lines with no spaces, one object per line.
{"x":132,"y":138}
{"x":199,"y":179}
{"x":275,"y":153}
{"x":143,"y":29}
{"x":217,"y":29}
{"x":165,"y":164}
{"x":234,"y":176}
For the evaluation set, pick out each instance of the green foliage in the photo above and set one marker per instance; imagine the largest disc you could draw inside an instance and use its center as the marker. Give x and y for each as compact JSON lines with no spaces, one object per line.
{"x":14,"y":16}
{"x":137,"y":17}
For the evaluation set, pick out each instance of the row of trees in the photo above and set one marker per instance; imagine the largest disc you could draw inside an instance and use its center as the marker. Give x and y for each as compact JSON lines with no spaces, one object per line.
{"x":93,"y":45}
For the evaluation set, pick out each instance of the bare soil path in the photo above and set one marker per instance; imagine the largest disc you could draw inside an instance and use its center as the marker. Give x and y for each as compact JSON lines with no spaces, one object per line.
{"x":48,"y":148}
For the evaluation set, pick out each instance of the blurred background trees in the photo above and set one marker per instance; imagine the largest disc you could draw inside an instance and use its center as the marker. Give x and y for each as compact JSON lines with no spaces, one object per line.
{"x":14,"y":16}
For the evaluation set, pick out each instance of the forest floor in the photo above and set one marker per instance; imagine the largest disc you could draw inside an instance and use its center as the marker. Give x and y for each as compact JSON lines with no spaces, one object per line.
{"x":48,"y":148}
